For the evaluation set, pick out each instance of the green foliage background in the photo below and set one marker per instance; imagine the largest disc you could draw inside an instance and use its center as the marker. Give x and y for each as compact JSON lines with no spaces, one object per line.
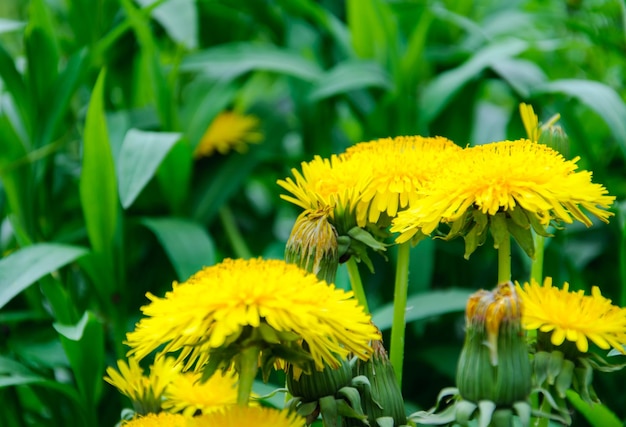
{"x":103,"y":101}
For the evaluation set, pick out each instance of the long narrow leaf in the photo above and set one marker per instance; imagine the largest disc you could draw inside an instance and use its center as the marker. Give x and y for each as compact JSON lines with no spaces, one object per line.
{"x":351,"y":75}
{"x":25,"y":266}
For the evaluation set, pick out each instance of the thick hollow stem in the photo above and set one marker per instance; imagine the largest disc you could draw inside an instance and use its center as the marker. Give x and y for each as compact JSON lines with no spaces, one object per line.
{"x":396,"y":352}
{"x":356,"y":284}
{"x":504,"y":261}
{"x":248,"y":364}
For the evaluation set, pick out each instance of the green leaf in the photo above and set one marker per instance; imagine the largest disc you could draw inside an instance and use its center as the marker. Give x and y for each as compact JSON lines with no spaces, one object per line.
{"x":9,"y":25}
{"x":179,"y":18}
{"x":25,"y":266}
{"x":425,"y":305}
{"x":440,"y":91}
{"x":141,"y":154}
{"x":85,"y":338}
{"x":522,"y":75}
{"x":187,"y":244}
{"x":98,"y":192}
{"x":350,"y":75}
{"x":234,"y":59}
{"x":597,"y":414}
{"x":599,"y":97}
{"x":15,"y":85}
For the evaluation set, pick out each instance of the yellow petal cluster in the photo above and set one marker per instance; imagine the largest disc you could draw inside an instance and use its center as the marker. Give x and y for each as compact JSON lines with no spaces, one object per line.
{"x":188,"y":395}
{"x":398,"y":167}
{"x":229,"y":131}
{"x":500,"y":176}
{"x":238,"y":416}
{"x":162,"y":419}
{"x":210,"y":310}
{"x":573,"y":316}
{"x":145,"y":391}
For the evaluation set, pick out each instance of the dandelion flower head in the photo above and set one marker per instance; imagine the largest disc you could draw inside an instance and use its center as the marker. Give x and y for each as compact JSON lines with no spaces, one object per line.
{"x":211,"y":309}
{"x":573,"y":316}
{"x":228,"y":131}
{"x":398,"y":167}
{"x":145,"y":391}
{"x":162,"y":419}
{"x":501,"y":176}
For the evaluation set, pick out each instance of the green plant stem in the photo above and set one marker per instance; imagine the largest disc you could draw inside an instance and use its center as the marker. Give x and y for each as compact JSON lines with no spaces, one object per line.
{"x":545,"y":408}
{"x":504,"y":261}
{"x":536,"y":268}
{"x":232,"y":232}
{"x":248,"y":365}
{"x":398,"y":326}
{"x":356,"y":284}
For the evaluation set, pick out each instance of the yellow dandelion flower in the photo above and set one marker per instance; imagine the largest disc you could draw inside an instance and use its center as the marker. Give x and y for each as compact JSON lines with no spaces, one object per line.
{"x":145,"y":391}
{"x":257,"y":416}
{"x":162,"y":419}
{"x":188,"y":395}
{"x":280,"y":301}
{"x":573,"y":316}
{"x":328,"y":183}
{"x":398,"y":167}
{"x":229,"y":131}
{"x":499,"y":177}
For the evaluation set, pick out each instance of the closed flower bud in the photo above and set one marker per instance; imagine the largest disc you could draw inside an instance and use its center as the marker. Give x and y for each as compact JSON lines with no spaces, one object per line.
{"x":313,"y":245}
{"x":382,"y":397}
{"x":317,"y":384}
{"x":494,"y":363}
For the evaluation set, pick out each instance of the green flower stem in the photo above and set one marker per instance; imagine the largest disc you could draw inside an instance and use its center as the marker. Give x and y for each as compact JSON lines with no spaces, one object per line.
{"x":247,"y":367}
{"x":504,"y":260}
{"x":234,"y":236}
{"x":355,"y":282}
{"x":396,"y":352}
{"x":536,"y":269}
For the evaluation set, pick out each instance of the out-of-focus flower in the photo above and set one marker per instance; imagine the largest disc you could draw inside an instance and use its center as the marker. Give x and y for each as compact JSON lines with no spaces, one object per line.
{"x":238,"y":416}
{"x":162,"y":419}
{"x":228,"y":131}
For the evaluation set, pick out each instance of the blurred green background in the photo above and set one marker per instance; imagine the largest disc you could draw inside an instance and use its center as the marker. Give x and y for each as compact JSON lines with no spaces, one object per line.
{"x":102,"y":103}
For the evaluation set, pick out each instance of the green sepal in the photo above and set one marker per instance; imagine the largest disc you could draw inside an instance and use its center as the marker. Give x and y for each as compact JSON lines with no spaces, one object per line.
{"x":499,"y":229}
{"x":565,"y":378}
{"x":523,"y":411}
{"x":537,"y":226}
{"x":329,"y":411}
{"x":519,"y":217}
{"x":345,"y":410}
{"x":458,"y":226}
{"x":268,"y":334}
{"x":465,"y":411}
{"x":385,"y":422}
{"x":486,"y":409}
{"x":357,"y":233}
{"x":343,"y":245}
{"x":353,"y":397}
{"x":523,"y":236}
{"x":540,"y":366}
{"x":554,"y":366}
{"x":502,"y":417}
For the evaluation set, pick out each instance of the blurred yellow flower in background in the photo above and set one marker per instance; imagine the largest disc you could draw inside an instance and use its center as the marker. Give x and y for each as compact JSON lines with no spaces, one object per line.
{"x":188,"y":395}
{"x":162,"y":419}
{"x":239,"y":416}
{"x":228,"y":131}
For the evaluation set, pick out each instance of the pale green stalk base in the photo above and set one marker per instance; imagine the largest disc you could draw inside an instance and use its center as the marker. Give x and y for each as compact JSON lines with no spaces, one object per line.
{"x":248,"y":365}
{"x":396,"y":352}
{"x":545,"y":408}
{"x":504,"y":261}
{"x":356,"y":284}
{"x":234,"y":236}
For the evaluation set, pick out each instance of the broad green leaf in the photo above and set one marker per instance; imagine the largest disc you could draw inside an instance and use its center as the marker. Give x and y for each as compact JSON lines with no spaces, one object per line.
{"x":85,"y":338}
{"x":141,"y":154}
{"x":234,"y":59}
{"x":425,"y":305}
{"x":25,"y":266}
{"x":442,"y":89}
{"x":179,"y":18}
{"x":350,"y":75}
{"x":98,"y":189}
{"x":597,"y":414}
{"x":522,"y":74}
{"x":599,"y":97}
{"x":187,"y":244}
{"x":9,"y":25}
{"x":174,"y":176}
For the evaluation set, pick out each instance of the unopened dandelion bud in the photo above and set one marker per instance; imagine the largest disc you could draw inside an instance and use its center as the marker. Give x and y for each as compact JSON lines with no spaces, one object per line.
{"x":555,"y":137}
{"x":317,"y":384}
{"x":383,"y":397}
{"x":313,"y":244}
{"x":494,"y":363}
